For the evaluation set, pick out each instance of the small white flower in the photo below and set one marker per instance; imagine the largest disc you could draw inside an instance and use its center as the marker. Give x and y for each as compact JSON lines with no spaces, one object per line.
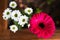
{"x":13,"y":28}
{"x":15,"y":15}
{"x":13,"y":4}
{"x":5,"y":17}
{"x":7,"y":13}
{"x":23,"y":20}
{"x":28,"y":11}
{"x":28,"y":25}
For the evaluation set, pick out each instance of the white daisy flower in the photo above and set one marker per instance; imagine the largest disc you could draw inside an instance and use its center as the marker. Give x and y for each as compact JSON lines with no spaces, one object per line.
{"x":13,"y":28}
{"x":15,"y":15}
{"x":13,"y":4}
{"x":5,"y":17}
{"x":7,"y":13}
{"x":23,"y":20}
{"x":28,"y":11}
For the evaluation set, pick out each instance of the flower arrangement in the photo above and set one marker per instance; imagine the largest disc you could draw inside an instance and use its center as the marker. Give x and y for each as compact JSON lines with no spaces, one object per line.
{"x":39,"y":23}
{"x":19,"y":18}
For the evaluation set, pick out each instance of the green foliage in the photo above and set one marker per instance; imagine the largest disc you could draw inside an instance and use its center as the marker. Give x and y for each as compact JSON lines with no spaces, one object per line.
{"x":19,"y":26}
{"x":49,"y":1}
{"x":38,"y":10}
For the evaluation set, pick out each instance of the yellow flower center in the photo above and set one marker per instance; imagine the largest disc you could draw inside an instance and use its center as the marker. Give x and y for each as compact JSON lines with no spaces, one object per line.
{"x":23,"y":20}
{"x":29,"y":10}
{"x":15,"y":15}
{"x":13,"y":28}
{"x":13,"y":4}
{"x":8,"y":13}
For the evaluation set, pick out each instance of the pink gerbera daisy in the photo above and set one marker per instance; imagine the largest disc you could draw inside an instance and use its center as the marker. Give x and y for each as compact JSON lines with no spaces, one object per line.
{"x":42,"y":25}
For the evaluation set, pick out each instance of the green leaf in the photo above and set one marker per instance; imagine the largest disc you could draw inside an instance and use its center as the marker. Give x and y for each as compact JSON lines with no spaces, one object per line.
{"x":38,"y":10}
{"x":19,"y":26}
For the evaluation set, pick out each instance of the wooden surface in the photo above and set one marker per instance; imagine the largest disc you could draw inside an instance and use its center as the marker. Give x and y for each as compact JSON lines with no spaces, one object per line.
{"x":3,"y":6}
{"x":25,"y":35}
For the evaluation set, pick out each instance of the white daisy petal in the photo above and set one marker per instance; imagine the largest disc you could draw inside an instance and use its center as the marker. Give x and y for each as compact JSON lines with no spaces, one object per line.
{"x":13,"y":28}
{"x":28,"y":25}
{"x":22,"y":25}
{"x":23,"y":20}
{"x":7,"y":14}
{"x":28,"y":11}
{"x":15,"y":15}
{"x":13,"y":4}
